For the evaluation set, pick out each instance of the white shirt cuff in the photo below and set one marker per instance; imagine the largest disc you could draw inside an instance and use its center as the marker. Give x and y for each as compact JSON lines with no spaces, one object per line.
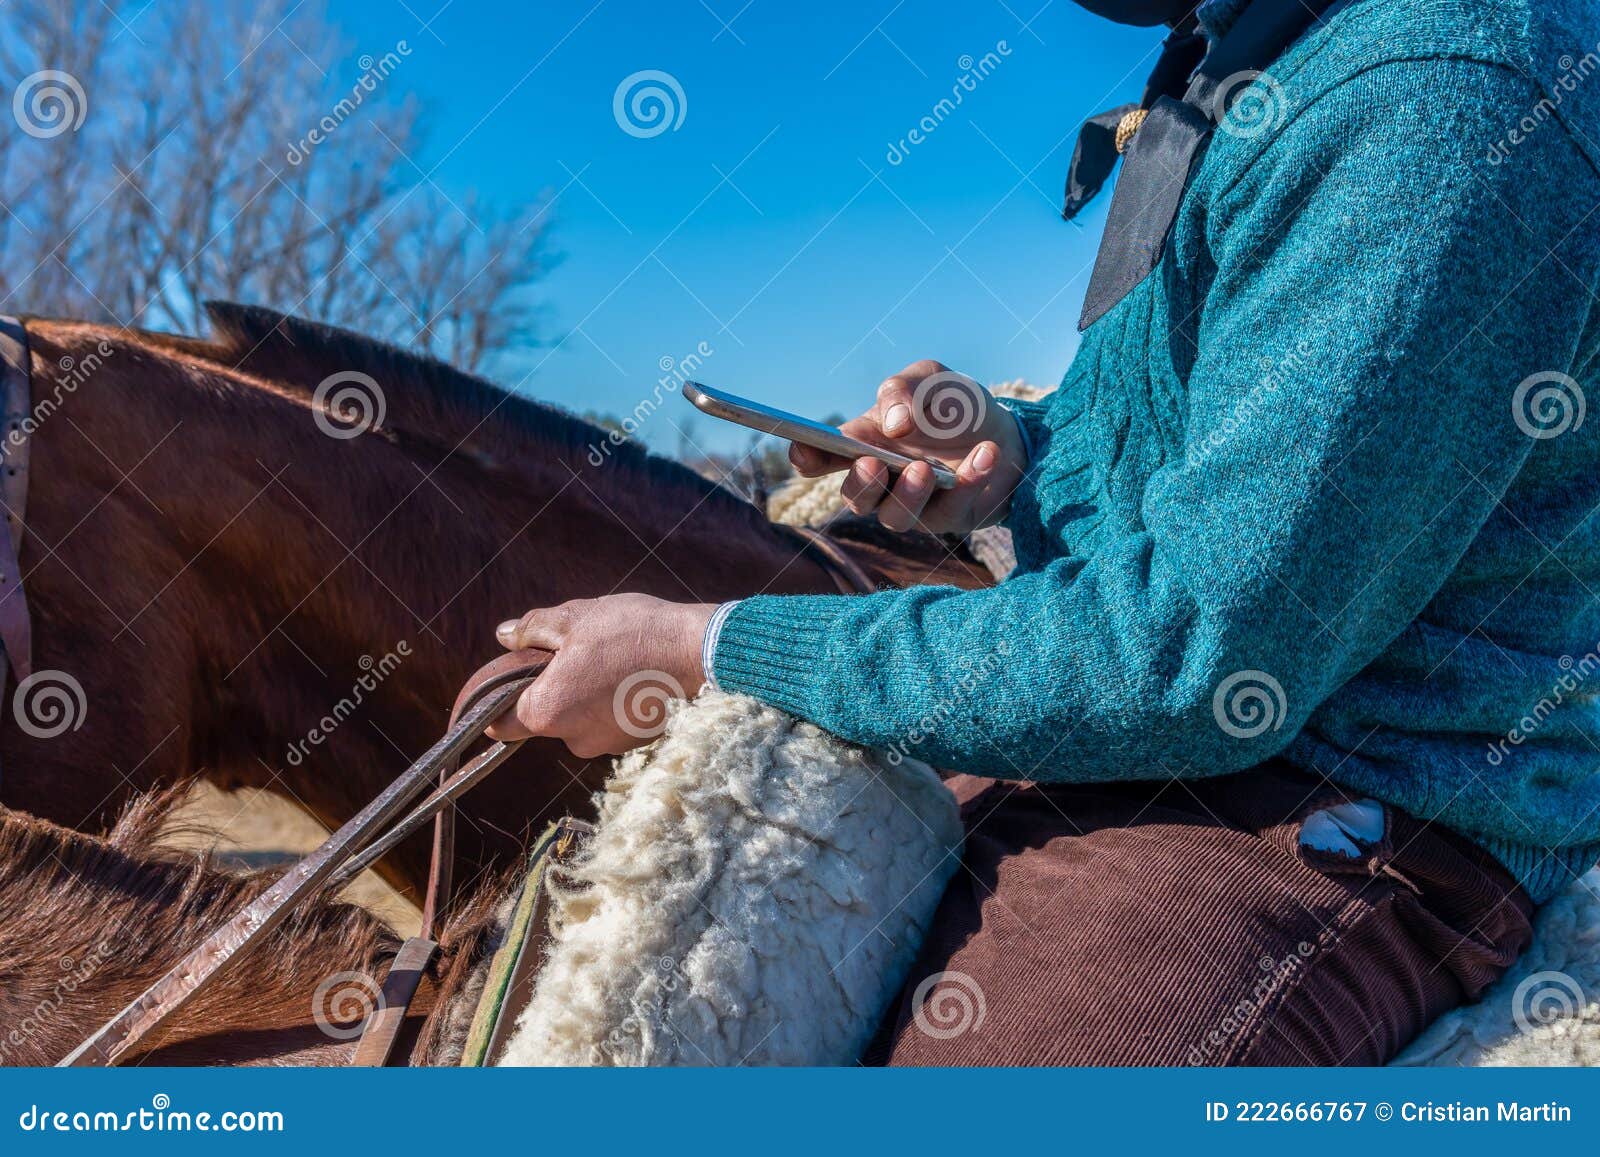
{"x":708,"y":642}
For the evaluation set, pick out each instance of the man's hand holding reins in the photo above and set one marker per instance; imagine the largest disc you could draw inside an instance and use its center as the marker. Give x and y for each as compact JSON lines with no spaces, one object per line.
{"x":616,"y":662}
{"x":929,"y":411}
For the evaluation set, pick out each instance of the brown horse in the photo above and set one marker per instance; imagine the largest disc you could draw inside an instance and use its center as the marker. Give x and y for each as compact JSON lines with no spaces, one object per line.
{"x":86,"y":923}
{"x":250,"y":585}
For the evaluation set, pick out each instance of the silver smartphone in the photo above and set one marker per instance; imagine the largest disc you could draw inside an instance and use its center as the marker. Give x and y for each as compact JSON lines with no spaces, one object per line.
{"x":732,"y":408}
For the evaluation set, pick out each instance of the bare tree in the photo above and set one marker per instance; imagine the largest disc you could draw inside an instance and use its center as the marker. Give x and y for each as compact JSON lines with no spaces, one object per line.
{"x":211,"y":150}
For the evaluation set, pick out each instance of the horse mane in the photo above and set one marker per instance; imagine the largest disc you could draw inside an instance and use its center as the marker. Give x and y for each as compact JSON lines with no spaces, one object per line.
{"x":110,"y":914}
{"x":38,"y":856}
{"x":436,"y":406}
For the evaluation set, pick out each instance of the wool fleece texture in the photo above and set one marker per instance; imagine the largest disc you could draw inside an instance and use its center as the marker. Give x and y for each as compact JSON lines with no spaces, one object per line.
{"x":755,"y":892}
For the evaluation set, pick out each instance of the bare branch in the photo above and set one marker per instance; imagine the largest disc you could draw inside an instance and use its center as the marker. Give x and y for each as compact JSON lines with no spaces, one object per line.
{"x":216,"y":160}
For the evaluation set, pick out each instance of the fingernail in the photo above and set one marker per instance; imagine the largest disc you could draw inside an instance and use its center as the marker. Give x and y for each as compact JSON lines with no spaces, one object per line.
{"x":897,"y":416}
{"x":984,"y":458}
{"x":507,"y":629}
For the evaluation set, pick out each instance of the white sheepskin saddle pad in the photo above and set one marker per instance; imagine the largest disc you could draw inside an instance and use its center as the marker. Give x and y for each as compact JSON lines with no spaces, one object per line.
{"x":1545,"y":1010}
{"x":755,"y":893}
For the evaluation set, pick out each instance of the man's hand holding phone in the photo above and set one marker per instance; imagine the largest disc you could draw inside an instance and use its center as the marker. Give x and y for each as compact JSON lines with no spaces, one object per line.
{"x":929,"y":411}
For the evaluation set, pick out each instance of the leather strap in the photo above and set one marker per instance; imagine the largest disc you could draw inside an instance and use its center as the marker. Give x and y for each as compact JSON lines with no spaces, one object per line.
{"x":846,"y":573}
{"x":508,"y":668}
{"x":512,"y":970}
{"x":530,"y":952}
{"x":489,"y":699}
{"x":399,"y":986}
{"x":16,"y":625}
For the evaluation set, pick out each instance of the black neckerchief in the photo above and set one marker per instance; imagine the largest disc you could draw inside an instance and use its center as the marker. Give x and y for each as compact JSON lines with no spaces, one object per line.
{"x":1159,"y":160}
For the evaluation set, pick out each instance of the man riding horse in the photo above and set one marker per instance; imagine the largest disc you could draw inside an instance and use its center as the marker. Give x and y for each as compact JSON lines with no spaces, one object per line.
{"x":1286,"y":744}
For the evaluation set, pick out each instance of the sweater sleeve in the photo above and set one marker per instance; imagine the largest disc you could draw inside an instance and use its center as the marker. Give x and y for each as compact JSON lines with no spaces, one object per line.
{"x":1029,"y":541}
{"x":1381,"y":297}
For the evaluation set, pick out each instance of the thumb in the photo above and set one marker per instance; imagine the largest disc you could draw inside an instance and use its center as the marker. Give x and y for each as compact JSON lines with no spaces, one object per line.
{"x":894,"y":408}
{"x":545,"y":628}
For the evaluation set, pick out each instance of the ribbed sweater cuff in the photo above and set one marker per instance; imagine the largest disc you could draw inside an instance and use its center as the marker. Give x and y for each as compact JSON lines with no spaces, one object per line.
{"x":1024,"y":520}
{"x":1543,"y":872}
{"x":1030,"y":420}
{"x":775,"y":648}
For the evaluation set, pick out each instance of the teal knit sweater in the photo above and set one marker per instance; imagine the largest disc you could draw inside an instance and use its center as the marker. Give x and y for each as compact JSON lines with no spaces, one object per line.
{"x":1320,"y":487}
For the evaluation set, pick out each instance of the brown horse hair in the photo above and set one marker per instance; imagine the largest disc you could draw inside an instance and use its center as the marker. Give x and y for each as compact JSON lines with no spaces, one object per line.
{"x":446,"y":411}
{"x":87,"y":923}
{"x":439,"y":411}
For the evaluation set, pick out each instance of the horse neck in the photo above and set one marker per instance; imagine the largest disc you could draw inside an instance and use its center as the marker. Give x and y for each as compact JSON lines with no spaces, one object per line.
{"x":441,"y":549}
{"x":265,"y":579}
{"x":454,"y":542}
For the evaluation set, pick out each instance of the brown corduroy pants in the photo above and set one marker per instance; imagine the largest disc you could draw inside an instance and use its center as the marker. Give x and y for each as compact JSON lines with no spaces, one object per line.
{"x":1185,"y":923}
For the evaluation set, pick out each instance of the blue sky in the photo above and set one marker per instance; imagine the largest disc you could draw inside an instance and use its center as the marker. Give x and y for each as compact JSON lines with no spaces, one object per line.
{"x":770,"y":223}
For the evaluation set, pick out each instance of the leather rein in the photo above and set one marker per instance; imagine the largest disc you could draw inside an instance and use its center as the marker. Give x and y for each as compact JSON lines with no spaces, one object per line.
{"x":378,"y":827}
{"x":847,"y":574}
{"x":16,"y":625}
